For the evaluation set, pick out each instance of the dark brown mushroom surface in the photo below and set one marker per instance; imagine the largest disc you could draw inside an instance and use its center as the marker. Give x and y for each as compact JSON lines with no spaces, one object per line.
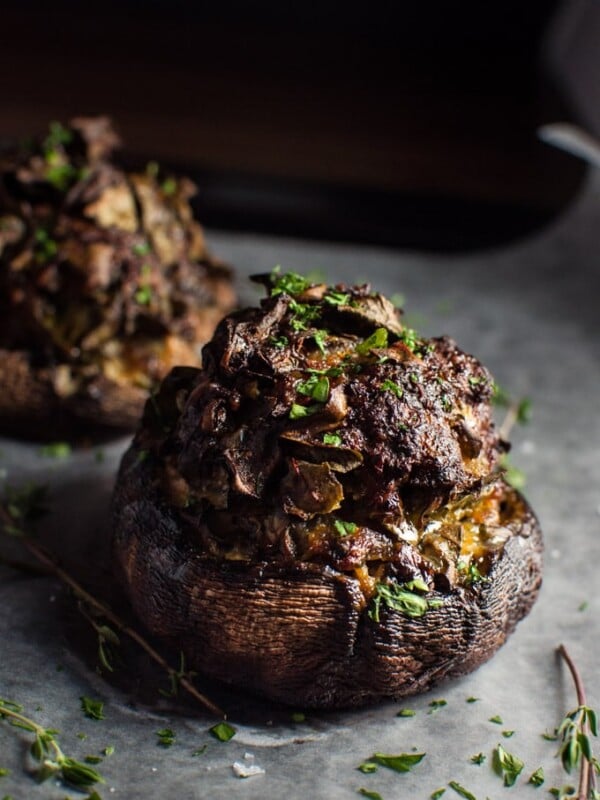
{"x":318,"y":514}
{"x":105,"y":281}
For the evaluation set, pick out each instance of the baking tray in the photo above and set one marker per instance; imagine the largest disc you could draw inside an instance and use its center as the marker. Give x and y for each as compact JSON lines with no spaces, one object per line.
{"x":530,"y":312}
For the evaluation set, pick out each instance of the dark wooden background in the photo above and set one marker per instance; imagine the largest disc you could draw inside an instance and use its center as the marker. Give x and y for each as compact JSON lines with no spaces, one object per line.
{"x":402,"y":123}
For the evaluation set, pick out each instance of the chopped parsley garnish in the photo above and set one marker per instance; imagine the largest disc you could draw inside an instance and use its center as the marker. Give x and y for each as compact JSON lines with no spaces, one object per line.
{"x":108,"y":751}
{"x":470,"y":574}
{"x":332,"y":438}
{"x":337,"y":298}
{"x":320,"y":338}
{"x":508,"y":734}
{"x":478,"y":759}
{"x":345,"y":528}
{"x":141,"y":249}
{"x":24,"y":505}
{"x":507,"y":766}
{"x":375,"y":340}
{"x":392,"y":386}
{"x":61,"y":176}
{"x":461,"y":790}
{"x":303,"y":315}
{"x":583,"y":606}
{"x":56,"y":450}
{"x":500,"y":397}
{"x":169,"y":186}
{"x":477,"y":381}
{"x":289,"y":283}
{"x":279,"y":341}
{"x":398,"y":597}
{"x":45,"y":247}
{"x":513,"y":475}
{"x":4,"y":772}
{"x":298,"y":411}
{"x":368,"y":767}
{"x":143,"y":295}
{"x":199,"y":751}
{"x":93,"y":709}
{"x":93,"y":759}
{"x":437,"y":794}
{"x":166,"y":737}
{"x":370,"y":794}
{"x":410,"y":339}
{"x":223,"y":731}
{"x":57,"y":137}
{"x":315,"y":387}
{"x":537,"y":778}
{"x":403,"y":762}
{"x":406,"y":712}
{"x":473,"y":699}
{"x":435,"y":705}
{"x":497,"y":720}
{"x":446,"y":402}
{"x":524,"y":411}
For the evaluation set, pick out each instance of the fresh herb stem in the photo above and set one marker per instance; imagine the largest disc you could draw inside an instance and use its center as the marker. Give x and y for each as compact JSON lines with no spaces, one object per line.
{"x":587,"y":777}
{"x":33,"y":727}
{"x":105,"y":611}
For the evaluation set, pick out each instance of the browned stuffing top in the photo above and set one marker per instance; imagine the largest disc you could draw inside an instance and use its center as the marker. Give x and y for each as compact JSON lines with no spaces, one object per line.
{"x":323,"y":429}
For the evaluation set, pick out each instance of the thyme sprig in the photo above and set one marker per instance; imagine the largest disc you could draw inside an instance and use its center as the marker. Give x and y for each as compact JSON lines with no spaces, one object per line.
{"x":46,"y":750}
{"x":575,"y":751}
{"x":15,"y":512}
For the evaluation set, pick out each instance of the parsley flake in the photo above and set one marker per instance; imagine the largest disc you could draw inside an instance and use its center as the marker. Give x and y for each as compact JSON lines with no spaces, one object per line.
{"x":289,"y":283}
{"x":399,"y":597}
{"x":298,"y":411}
{"x":279,"y":341}
{"x":478,"y":759}
{"x":461,"y":790}
{"x":223,"y":731}
{"x":406,"y":712}
{"x":166,"y":737}
{"x":374,"y":341}
{"x":315,"y":387}
{"x":345,"y":528}
{"x":507,"y":766}
{"x":435,"y":705}
{"x":55,"y":450}
{"x":367,"y":767}
{"x":473,"y":699}
{"x":497,"y":720}
{"x":403,"y":762}
{"x":332,"y":438}
{"x":141,"y":249}
{"x":392,"y":386}
{"x":93,"y":709}
{"x":370,"y":793}
{"x":537,"y":778}
{"x":335,"y":298}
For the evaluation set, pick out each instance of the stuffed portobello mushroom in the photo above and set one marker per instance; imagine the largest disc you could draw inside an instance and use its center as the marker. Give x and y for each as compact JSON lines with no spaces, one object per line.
{"x":105,"y":282}
{"x":318,"y":514}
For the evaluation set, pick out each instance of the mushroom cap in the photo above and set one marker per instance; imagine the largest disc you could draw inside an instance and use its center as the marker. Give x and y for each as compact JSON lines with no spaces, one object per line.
{"x":106,"y":282}
{"x":318,"y":514}
{"x":301,"y":634}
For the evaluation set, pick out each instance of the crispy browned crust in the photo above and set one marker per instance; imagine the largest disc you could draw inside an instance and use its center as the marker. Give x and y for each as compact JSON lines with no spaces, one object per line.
{"x":301,"y":634}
